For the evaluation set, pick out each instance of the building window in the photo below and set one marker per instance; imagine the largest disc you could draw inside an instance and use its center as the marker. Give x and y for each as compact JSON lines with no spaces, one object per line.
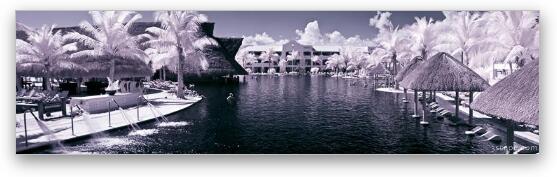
{"x":307,"y":53}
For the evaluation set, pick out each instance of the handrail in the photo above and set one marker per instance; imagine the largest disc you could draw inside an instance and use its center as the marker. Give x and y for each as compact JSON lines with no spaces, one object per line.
{"x":25,"y":125}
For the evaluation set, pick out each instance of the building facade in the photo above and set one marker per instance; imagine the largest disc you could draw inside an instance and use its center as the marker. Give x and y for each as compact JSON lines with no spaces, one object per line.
{"x":299,"y":58}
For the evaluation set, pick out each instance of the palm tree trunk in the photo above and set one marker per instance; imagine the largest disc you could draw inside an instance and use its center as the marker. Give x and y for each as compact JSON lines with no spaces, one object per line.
{"x":395,"y":70}
{"x":18,"y":83}
{"x":180,"y":90}
{"x":45,"y":83}
{"x":112,"y":68}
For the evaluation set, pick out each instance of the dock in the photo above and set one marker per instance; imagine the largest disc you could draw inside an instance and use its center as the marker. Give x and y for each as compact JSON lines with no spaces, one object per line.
{"x":33,"y":133}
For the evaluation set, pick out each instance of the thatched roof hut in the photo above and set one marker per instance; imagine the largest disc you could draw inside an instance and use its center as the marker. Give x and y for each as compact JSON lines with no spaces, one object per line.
{"x":515,"y":97}
{"x":408,"y":68}
{"x":442,"y":72}
{"x":378,"y":69}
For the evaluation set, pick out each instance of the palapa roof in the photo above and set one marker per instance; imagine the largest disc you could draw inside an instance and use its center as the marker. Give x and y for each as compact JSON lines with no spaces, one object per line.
{"x":378,"y":69}
{"x":442,"y":72}
{"x":515,"y":97}
{"x":100,"y":68}
{"x":408,"y":68}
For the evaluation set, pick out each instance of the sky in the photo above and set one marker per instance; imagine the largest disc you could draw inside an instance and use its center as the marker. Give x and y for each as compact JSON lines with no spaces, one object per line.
{"x":265,"y":27}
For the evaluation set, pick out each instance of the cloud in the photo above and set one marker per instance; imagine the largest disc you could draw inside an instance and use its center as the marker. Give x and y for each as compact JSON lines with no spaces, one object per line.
{"x":381,"y":21}
{"x":262,"y":39}
{"x":311,"y":35}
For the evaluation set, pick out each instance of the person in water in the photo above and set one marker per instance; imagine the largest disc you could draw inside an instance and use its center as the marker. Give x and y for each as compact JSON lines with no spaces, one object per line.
{"x":230,"y":98}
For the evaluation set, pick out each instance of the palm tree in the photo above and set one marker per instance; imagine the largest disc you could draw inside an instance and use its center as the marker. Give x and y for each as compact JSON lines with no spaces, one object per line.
{"x":44,"y":48}
{"x":462,"y":33}
{"x":179,"y":36}
{"x":517,"y":33}
{"x":107,"y":38}
{"x":269,"y":56}
{"x":422,"y":35}
{"x":336,"y":62}
{"x":392,"y":42}
{"x":282,"y":64}
{"x":292,"y":57}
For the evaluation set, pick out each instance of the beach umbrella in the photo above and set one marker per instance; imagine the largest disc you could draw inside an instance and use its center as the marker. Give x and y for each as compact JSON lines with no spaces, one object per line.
{"x":515,"y":97}
{"x":65,"y":69}
{"x":30,"y":69}
{"x":442,"y":72}
{"x":60,"y":69}
{"x":404,"y":71}
{"x":99,"y":67}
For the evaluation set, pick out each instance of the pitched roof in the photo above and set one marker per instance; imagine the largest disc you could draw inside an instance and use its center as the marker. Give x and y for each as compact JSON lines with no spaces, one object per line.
{"x":442,"y":72}
{"x":515,"y":97}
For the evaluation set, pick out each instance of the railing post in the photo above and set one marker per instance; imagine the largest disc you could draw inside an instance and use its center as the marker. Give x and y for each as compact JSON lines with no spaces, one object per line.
{"x":109,"y":123}
{"x":71,"y":119}
{"x":137,"y":108}
{"x":25,"y":126}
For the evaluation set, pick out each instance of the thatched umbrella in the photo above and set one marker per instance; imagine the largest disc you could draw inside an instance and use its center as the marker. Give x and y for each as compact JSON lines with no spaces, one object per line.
{"x":442,"y":72}
{"x":407,"y":69}
{"x":67,"y":70}
{"x":30,"y":69}
{"x":376,"y":70}
{"x":100,"y":68}
{"x":516,"y":98}
{"x":59,"y":69}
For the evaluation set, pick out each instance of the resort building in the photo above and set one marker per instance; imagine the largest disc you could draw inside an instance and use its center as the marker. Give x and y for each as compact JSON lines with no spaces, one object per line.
{"x":299,"y":57}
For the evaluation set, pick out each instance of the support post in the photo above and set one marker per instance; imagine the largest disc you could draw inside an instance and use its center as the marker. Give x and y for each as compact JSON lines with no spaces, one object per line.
{"x":41,"y":110}
{"x":415,"y":104}
{"x":25,"y":127}
{"x":137,"y":108}
{"x":457,"y":103}
{"x":405,"y":95}
{"x":510,"y":136}
{"x":109,"y":123}
{"x":71,"y":118}
{"x":470,"y":111}
{"x":423,"y":97}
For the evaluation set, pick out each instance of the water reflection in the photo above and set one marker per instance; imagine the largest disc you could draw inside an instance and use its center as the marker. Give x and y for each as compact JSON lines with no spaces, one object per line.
{"x":294,"y":114}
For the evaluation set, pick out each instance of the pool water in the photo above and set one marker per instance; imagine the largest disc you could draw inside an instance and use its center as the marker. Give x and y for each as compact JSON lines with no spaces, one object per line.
{"x":289,"y":114}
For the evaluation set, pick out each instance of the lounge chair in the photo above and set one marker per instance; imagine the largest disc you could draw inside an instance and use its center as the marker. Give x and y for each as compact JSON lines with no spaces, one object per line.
{"x":445,"y":113}
{"x":492,"y":137}
{"x":476,"y":131}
